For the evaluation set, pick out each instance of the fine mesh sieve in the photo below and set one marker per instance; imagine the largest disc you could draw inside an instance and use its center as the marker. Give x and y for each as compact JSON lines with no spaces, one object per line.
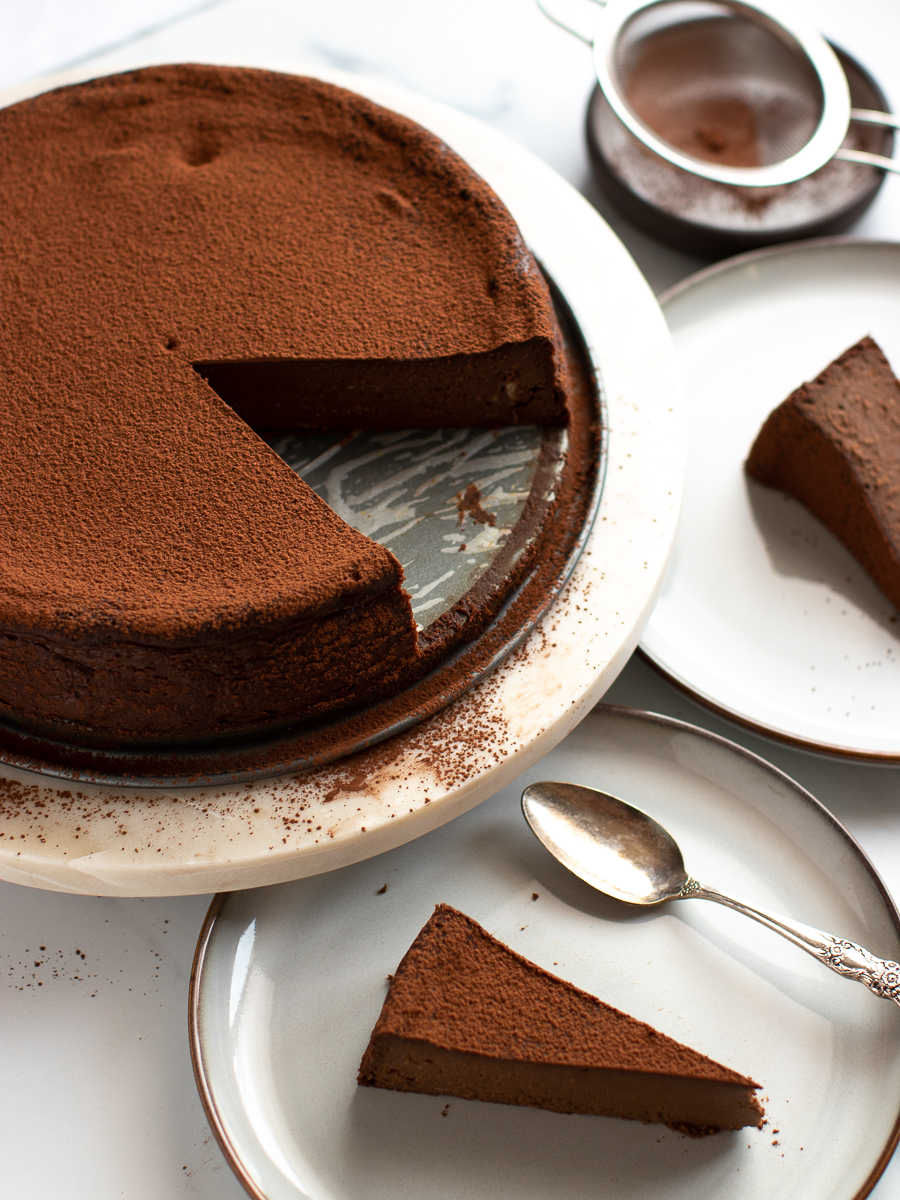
{"x":730,"y":91}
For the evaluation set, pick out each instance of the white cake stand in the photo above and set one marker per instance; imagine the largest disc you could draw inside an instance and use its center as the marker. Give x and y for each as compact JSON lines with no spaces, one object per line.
{"x":100,"y":840}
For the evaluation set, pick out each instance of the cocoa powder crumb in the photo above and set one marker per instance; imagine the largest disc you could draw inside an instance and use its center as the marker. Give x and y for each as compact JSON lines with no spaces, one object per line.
{"x":468,"y":503}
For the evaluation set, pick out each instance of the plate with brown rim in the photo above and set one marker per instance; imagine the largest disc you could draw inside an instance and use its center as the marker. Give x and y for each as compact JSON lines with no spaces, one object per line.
{"x":289,"y":981}
{"x":764,"y":616}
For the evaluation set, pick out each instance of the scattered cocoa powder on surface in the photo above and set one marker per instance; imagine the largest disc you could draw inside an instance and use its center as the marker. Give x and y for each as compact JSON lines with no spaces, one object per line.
{"x":468,"y":503}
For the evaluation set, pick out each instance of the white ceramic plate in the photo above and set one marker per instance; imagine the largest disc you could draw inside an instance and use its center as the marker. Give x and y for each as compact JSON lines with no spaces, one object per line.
{"x":764,"y":615}
{"x":288,"y":982}
{"x":115,"y":841}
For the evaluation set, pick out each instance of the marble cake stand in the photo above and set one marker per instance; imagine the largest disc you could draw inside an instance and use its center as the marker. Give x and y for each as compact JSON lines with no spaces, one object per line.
{"x":101,"y":840}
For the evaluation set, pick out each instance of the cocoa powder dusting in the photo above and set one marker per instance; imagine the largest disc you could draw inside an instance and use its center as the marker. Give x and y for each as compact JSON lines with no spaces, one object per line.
{"x":538,"y":573}
{"x":451,"y":746}
{"x":287,"y":813}
{"x":143,"y":514}
{"x":113,"y":362}
{"x":834,"y":444}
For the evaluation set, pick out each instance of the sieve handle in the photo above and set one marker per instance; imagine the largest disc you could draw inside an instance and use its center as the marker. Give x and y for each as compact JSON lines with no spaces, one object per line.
{"x":869,"y":160}
{"x":582,"y":37}
{"x":872,"y":116}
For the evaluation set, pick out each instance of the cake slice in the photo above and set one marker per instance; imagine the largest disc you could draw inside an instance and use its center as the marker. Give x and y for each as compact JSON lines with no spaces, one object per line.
{"x":466,"y":1016}
{"x":834,"y":445}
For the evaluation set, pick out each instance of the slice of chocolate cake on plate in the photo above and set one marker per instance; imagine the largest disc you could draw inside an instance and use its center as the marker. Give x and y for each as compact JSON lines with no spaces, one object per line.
{"x":466,"y":1016}
{"x":834,"y":445}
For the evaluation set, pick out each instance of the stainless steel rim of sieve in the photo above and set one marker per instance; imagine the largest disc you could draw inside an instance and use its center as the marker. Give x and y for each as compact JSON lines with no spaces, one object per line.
{"x":760,"y":43}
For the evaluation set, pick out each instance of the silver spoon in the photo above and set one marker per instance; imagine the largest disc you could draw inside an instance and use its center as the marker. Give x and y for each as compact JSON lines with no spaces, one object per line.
{"x":621,"y":851}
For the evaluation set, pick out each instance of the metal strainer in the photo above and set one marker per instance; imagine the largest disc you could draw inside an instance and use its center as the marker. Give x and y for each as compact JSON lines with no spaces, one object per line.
{"x":734,"y":92}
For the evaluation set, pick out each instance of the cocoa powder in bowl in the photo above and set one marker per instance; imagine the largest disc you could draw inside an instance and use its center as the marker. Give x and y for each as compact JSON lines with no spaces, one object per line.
{"x":717,"y":122}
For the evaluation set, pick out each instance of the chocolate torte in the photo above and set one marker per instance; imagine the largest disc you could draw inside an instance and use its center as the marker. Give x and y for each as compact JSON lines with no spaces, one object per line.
{"x":194,"y":254}
{"x":466,"y":1016}
{"x":834,"y":445}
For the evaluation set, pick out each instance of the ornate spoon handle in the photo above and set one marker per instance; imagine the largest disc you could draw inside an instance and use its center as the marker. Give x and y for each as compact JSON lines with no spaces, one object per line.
{"x":880,"y":975}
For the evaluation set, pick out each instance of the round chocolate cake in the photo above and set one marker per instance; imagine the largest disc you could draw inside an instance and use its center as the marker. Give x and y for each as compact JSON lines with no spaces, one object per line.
{"x":195,"y":254}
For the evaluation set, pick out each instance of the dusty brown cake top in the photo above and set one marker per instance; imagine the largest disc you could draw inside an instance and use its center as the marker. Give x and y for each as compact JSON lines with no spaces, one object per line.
{"x":856,"y":403}
{"x":461,"y":989}
{"x":176,"y":215}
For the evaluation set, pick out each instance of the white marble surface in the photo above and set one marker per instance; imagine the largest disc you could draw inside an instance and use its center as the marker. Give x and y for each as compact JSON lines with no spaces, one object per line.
{"x":98,"y":1099}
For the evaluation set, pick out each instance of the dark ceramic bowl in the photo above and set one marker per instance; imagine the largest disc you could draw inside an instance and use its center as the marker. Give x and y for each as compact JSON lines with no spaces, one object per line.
{"x":714,"y":220}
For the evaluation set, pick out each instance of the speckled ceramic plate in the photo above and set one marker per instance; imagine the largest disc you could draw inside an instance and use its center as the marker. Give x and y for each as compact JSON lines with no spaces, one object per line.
{"x":113,"y":840}
{"x":288,"y":982}
{"x":764,"y":616}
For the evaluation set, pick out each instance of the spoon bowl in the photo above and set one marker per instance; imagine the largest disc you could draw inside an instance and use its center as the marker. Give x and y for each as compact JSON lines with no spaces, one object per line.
{"x":616,"y":848}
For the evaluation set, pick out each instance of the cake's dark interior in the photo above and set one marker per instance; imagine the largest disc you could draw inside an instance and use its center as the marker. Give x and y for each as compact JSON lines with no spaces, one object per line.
{"x":320,"y":261}
{"x":456,"y":389}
